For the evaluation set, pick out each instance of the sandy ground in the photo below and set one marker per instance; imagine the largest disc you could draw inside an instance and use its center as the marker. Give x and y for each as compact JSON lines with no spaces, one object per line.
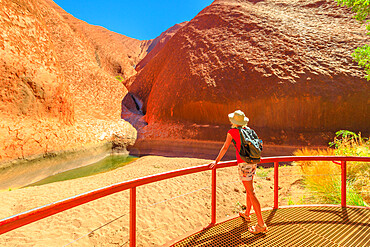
{"x":165,"y":209}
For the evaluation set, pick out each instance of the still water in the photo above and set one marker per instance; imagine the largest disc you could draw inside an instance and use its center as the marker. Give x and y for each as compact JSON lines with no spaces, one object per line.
{"x":107,"y":164}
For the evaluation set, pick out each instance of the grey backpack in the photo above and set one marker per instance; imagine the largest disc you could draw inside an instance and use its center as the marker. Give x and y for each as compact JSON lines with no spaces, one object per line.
{"x":251,"y":145}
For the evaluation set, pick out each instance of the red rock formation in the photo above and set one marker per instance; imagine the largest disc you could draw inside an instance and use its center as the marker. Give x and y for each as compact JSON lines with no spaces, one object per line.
{"x":115,"y":53}
{"x":57,"y":79}
{"x":286,"y":64}
{"x":158,"y":43}
{"x":31,"y":78}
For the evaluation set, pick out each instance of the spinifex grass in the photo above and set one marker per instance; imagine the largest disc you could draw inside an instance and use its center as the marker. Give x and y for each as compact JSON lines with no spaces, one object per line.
{"x":323,"y":178}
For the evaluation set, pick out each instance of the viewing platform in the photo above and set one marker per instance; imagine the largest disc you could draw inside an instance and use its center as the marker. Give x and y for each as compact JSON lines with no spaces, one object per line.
{"x":309,"y":225}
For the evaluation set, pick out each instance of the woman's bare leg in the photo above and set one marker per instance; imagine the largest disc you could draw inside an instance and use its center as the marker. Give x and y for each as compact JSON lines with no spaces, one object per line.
{"x":249,"y":205}
{"x":254,"y":201}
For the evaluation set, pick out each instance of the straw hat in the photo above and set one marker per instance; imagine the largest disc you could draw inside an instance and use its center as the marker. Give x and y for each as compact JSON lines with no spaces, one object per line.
{"x":238,"y":117}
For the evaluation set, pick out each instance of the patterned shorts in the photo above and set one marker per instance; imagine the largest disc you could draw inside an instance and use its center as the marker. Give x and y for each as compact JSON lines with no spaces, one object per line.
{"x":246,"y":171}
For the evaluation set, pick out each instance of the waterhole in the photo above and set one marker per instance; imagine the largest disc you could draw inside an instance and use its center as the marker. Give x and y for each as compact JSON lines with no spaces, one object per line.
{"x":107,"y":164}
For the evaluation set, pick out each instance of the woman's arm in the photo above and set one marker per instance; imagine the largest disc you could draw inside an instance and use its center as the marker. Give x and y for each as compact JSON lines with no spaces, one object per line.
{"x":222,"y":151}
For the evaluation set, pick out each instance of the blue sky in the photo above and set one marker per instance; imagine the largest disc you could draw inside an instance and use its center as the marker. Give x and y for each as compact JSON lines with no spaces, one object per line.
{"x":141,"y":19}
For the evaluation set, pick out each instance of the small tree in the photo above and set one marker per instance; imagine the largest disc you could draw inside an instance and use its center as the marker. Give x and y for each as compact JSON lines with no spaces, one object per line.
{"x":362,"y":9}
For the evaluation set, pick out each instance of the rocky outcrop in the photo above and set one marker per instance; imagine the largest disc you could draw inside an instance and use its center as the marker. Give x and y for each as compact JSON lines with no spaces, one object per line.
{"x":286,"y":64}
{"x":57,"y":79}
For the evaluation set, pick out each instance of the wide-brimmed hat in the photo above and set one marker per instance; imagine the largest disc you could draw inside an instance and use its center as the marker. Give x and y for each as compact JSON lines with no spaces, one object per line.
{"x":238,"y":117}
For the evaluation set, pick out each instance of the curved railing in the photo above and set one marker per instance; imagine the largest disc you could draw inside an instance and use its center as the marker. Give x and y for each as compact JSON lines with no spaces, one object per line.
{"x":16,"y":221}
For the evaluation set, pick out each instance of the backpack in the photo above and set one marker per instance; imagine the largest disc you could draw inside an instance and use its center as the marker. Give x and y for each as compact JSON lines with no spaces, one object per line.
{"x":251,"y":145}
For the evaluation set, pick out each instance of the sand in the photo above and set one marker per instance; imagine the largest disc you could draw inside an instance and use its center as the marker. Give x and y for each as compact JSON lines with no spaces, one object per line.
{"x":165,"y":210}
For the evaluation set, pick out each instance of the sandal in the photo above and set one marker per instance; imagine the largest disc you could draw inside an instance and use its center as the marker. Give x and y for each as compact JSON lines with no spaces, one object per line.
{"x":245,"y":217}
{"x":258,"y":229}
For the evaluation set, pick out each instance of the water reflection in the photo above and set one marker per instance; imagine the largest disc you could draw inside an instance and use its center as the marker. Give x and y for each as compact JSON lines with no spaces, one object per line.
{"x":107,"y":164}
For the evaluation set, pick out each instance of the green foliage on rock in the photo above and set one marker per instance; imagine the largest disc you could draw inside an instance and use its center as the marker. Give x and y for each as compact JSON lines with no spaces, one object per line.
{"x":361,"y":7}
{"x":362,"y":10}
{"x":362,"y":57}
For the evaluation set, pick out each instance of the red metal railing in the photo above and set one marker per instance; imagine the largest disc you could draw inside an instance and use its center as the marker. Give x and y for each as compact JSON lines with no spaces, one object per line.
{"x":36,"y":214}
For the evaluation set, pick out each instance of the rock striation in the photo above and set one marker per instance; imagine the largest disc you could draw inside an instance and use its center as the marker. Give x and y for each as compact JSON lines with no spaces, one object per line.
{"x":287,"y":64}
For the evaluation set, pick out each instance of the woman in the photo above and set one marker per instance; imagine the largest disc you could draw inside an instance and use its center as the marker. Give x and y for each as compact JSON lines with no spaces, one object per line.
{"x":246,"y":171}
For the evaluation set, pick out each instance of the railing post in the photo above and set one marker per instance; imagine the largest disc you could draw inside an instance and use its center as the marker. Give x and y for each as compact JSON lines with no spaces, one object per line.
{"x":213,"y":213}
{"x":344,"y":184}
{"x":133,"y":217}
{"x":276,"y":185}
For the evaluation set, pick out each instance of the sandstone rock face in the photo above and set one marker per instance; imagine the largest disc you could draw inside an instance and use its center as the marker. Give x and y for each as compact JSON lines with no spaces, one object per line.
{"x":158,"y":43}
{"x":31,"y":78}
{"x":285,"y":63}
{"x":57,"y":79}
{"x":115,"y":53}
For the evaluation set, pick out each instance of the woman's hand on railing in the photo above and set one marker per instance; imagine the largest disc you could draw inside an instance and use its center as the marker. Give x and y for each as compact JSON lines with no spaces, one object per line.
{"x":212,"y":165}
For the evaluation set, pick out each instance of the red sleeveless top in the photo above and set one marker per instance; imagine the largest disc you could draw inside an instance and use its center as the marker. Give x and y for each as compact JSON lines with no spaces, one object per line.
{"x":236,"y":136}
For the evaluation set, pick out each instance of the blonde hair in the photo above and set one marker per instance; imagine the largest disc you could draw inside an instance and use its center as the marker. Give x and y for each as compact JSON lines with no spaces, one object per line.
{"x":235,"y":125}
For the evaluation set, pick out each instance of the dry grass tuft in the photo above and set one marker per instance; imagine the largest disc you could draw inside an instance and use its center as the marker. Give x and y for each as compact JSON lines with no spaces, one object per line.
{"x":324,"y":179}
